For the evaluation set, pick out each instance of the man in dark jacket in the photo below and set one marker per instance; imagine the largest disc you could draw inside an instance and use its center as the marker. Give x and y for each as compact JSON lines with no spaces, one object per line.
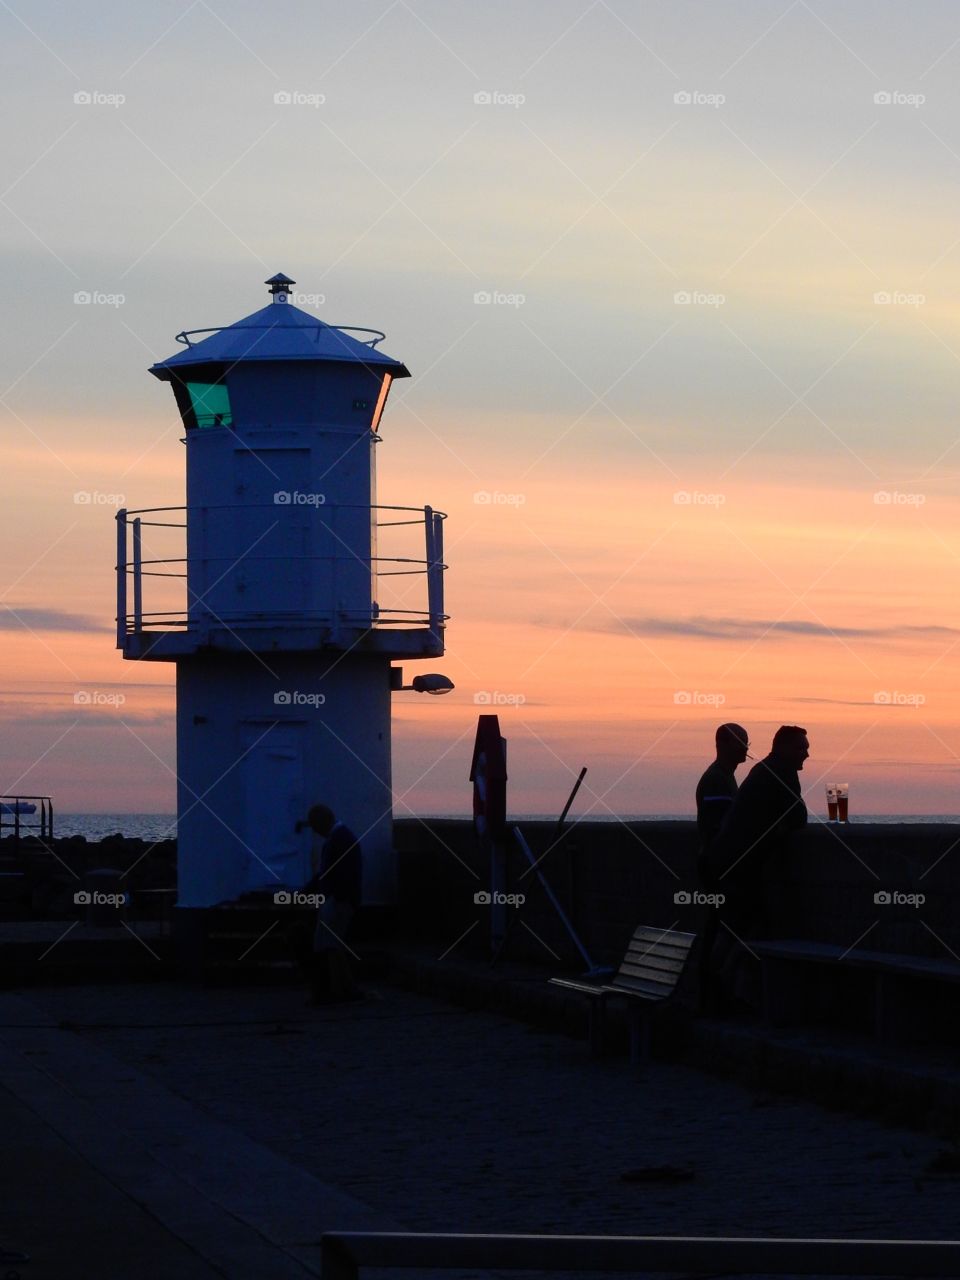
{"x":767,"y":808}
{"x":716,"y":792}
{"x":338,"y":877}
{"x":717,"y":788}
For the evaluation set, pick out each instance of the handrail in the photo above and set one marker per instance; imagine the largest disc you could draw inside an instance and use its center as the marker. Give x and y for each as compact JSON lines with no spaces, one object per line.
{"x":184,"y":336}
{"x":136,"y":567}
{"x":342,"y":1254}
{"x":44,"y":820}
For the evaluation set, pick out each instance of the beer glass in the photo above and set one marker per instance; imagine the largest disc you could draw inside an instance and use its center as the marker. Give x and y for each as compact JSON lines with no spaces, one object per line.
{"x":843,"y":796}
{"x":831,"y":802}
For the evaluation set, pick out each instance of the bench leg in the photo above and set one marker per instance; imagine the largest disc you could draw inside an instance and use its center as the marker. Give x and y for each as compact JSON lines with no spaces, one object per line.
{"x":639,"y":1039}
{"x":595,"y":1027}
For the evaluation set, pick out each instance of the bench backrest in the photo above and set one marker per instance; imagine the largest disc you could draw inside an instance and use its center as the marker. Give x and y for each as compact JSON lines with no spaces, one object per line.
{"x":654,"y":961}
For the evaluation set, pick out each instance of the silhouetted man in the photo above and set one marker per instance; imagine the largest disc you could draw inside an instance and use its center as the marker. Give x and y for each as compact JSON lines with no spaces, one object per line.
{"x":337,"y":876}
{"x":767,"y":807}
{"x":716,"y":792}
{"x":717,"y":788}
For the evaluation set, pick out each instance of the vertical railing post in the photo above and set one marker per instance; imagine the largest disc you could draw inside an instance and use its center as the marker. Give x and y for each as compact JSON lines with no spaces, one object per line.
{"x":137,"y":577}
{"x":433,"y":528}
{"x":121,"y":577}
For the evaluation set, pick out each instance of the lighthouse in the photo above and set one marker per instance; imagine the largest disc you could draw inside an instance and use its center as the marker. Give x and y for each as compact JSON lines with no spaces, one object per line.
{"x":284,"y":595}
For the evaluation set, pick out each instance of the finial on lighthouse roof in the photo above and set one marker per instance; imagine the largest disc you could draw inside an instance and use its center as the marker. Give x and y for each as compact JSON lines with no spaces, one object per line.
{"x":280,"y":287}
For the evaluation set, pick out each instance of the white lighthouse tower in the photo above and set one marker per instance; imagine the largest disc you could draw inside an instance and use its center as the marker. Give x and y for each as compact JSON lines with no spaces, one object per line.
{"x":283,"y":640}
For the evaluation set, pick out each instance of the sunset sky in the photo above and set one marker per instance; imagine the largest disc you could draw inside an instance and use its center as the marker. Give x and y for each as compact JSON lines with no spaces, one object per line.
{"x":699,"y":447}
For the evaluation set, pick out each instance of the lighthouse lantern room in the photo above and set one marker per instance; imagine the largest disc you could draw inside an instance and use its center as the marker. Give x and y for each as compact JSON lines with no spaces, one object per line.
{"x":282,"y":646}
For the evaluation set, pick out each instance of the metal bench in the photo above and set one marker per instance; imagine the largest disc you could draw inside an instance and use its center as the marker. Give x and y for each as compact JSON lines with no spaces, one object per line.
{"x":647,"y":980}
{"x":891,"y":985}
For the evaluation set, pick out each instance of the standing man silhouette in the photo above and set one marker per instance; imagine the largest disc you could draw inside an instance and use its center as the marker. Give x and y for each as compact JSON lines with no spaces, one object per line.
{"x":337,"y":876}
{"x":716,"y":792}
{"x":717,"y":788}
{"x":755,"y":831}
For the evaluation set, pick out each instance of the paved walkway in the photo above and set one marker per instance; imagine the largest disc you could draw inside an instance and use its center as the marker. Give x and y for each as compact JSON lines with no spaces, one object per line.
{"x":220,"y":1131}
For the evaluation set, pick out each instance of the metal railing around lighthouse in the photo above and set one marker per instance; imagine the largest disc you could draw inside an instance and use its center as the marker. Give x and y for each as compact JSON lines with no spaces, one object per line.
{"x":139,"y":556}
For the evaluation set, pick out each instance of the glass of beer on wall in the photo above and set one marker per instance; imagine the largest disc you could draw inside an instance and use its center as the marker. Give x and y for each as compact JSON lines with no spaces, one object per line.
{"x":843,"y":796}
{"x":831,"y":802}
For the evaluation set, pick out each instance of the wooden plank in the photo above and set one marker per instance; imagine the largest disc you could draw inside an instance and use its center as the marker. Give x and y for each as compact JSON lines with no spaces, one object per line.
{"x":644,"y":991}
{"x":629,"y":972}
{"x":659,"y":944}
{"x":584,"y":988}
{"x":667,"y":963}
{"x":648,"y":933}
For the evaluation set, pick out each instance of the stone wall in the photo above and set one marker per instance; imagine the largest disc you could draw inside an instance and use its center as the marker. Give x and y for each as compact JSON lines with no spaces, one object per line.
{"x":609,"y":877}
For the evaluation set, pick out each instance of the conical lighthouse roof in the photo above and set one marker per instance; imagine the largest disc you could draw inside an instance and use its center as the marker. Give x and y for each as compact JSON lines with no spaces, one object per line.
{"x":280,"y":331}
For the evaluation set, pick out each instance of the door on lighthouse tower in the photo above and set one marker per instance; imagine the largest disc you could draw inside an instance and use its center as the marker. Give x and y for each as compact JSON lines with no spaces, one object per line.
{"x":274,"y":801}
